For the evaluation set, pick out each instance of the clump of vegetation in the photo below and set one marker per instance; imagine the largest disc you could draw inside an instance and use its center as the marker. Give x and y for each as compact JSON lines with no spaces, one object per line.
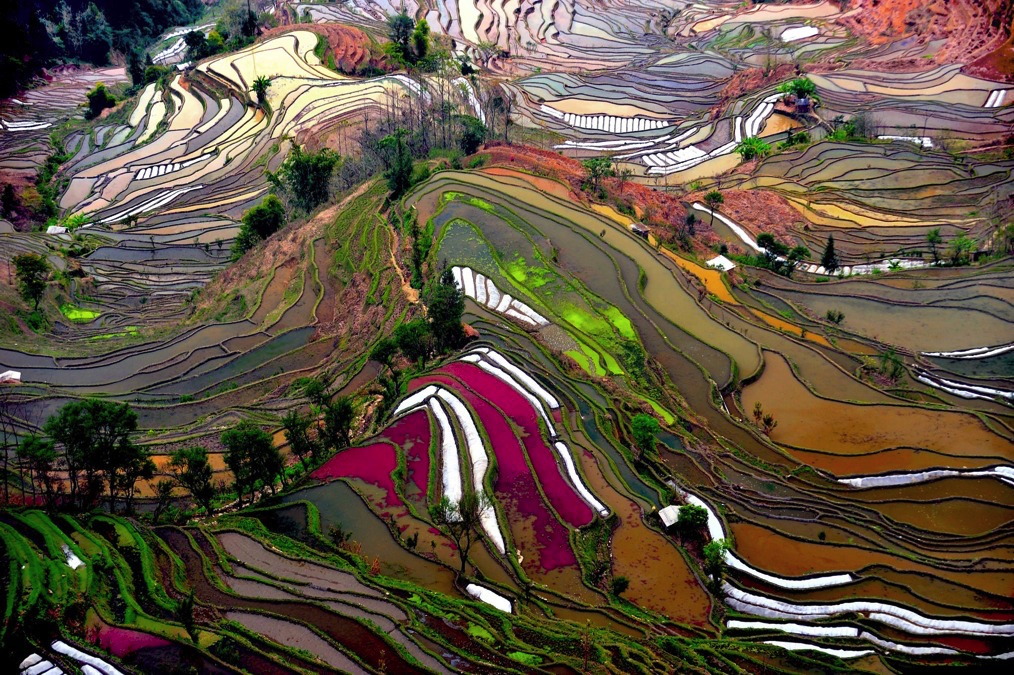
{"x":765,"y":421}
{"x":753,"y":147}
{"x":259,"y":223}
{"x":859,"y":127}
{"x":800,"y":87}
{"x":99,"y":98}
{"x":778,"y":257}
{"x":645,"y":432}
{"x":835,"y":316}
{"x":33,"y":272}
{"x":305,"y":177}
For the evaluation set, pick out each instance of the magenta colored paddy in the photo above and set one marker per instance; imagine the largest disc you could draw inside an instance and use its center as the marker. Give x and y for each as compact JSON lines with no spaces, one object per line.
{"x":515,"y":487}
{"x":561,"y":494}
{"x":121,"y":642}
{"x":412,"y":434}
{"x":370,"y":463}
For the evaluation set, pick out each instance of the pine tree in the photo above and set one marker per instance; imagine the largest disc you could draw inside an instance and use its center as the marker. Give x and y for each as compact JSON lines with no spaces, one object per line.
{"x":829,"y":261}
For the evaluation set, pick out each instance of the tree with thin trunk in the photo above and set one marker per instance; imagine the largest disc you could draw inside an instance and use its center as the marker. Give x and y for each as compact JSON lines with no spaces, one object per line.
{"x":934,"y":239}
{"x":191,"y":469}
{"x":713,"y":199}
{"x":33,"y":273}
{"x":244,"y":444}
{"x":829,"y":261}
{"x":40,"y":455}
{"x":339,"y":416}
{"x":297,"y":434}
{"x":461,"y":521}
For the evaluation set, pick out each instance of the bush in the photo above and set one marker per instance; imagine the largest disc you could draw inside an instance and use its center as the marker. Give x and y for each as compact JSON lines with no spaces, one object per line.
{"x":752,"y":147}
{"x":619,"y":585}
{"x":99,"y":99}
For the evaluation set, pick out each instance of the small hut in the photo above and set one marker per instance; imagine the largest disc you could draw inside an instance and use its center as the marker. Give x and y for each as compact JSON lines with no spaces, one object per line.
{"x":640,"y":230}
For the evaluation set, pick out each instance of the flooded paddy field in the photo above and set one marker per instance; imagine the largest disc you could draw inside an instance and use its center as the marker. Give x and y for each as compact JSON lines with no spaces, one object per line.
{"x":692,"y":450}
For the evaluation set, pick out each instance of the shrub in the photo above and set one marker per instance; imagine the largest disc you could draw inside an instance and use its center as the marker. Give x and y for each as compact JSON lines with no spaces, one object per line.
{"x":752,"y":147}
{"x":99,"y":99}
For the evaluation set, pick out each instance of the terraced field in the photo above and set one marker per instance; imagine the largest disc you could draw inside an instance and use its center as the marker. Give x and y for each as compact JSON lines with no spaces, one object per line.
{"x":845,"y":429}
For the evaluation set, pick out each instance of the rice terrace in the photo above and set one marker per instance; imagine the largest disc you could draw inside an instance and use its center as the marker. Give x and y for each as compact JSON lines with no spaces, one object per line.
{"x":542,"y":336}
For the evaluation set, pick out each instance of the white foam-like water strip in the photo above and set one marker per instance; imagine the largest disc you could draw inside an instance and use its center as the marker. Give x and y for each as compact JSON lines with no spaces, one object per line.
{"x":1004,"y":473}
{"x":962,"y":389}
{"x":575,"y":479}
{"x":489,"y":597}
{"x":898,"y":617}
{"x":41,"y":666}
{"x":505,"y":302}
{"x":456,"y":272}
{"x":494,"y":294}
{"x":525,"y":378}
{"x":78,"y":655}
{"x":798,"y":33}
{"x":415,"y":399}
{"x":29,"y":661}
{"x":520,"y":317}
{"x":468,"y":282}
{"x":480,"y":289}
{"x":530,"y":313}
{"x":995,"y":98}
{"x":151,"y":204}
{"x":26,"y":126}
{"x":974,"y":353}
{"x":735,"y":227}
{"x":796,"y":628}
{"x":72,"y":560}
{"x":924,"y":141}
{"x":905,"y":649}
{"x":717,"y":531}
{"x":449,"y":462}
{"x":840,"y":653}
{"x":469,"y":92}
{"x":479,"y":461}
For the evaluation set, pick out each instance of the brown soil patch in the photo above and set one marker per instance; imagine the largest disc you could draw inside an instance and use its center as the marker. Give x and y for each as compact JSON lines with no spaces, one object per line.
{"x":972,"y":29}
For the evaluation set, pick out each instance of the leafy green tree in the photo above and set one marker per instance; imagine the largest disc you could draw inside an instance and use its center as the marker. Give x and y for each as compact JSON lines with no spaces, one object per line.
{"x":961,"y":249}
{"x":714,"y":559}
{"x":306,"y":176}
{"x":800,"y":87}
{"x":445,"y":308}
{"x":297,"y":433}
{"x":752,"y":147}
{"x":692,"y":520}
{"x":94,"y":435}
{"x":197,"y":45}
{"x":266,"y":218}
{"x":714,"y":199}
{"x":260,"y":87}
{"x":39,"y":454}
{"x":461,"y":521}
{"x":400,"y":29}
{"x":192,"y":470}
{"x":99,"y":98}
{"x":796,"y":255}
{"x":421,"y":40}
{"x":934,"y":239}
{"x":315,"y":390}
{"x":414,"y":340}
{"x":645,"y":430}
{"x":473,"y":133}
{"x":32,"y":271}
{"x":598,"y":168}
{"x":384,"y":351}
{"x":339,"y":416}
{"x":399,"y":169}
{"x":829,"y":260}
{"x":246,"y":445}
